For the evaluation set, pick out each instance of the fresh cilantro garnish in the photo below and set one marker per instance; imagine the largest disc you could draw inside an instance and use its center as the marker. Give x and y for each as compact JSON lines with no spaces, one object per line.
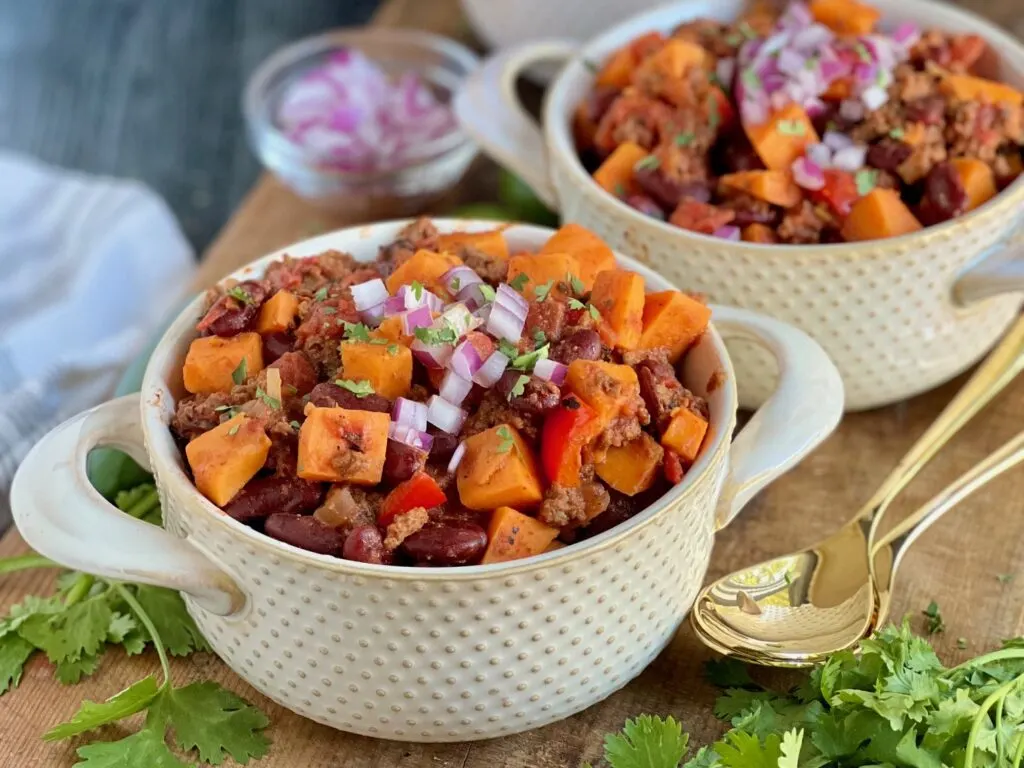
{"x":1006,"y":578}
{"x":750,"y":79}
{"x":865,"y":179}
{"x":241,"y":372}
{"x":392,"y":349}
{"x":435,"y":336}
{"x":747,"y":31}
{"x":519,"y":281}
{"x":228,"y":410}
{"x":361,"y":388}
{"x":593,"y":312}
{"x":357,"y":332}
{"x":714,"y":118}
{"x":619,"y":189}
{"x":454,"y":284}
{"x":239,"y":294}
{"x":576,"y":304}
{"x":379,"y":342}
{"x":509,"y":350}
{"x":519,"y":388}
{"x":416,"y":288}
{"x":487,"y":292}
{"x":936,"y":623}
{"x":321,"y":294}
{"x":527,"y":361}
{"x":270,"y":402}
{"x":542,"y":291}
{"x":896,"y":133}
{"x":540,"y":337}
{"x":506,"y":439}
{"x":331,"y":311}
{"x":646,"y":742}
{"x":295,"y":425}
{"x":727,"y":673}
{"x":862,"y":52}
{"x":234,"y":430}
{"x":647,"y":163}
{"x":791,"y":128}
{"x":733,"y":39}
{"x":575,"y":284}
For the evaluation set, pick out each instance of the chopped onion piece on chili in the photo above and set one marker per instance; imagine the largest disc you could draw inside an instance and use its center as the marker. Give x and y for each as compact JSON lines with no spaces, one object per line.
{"x":445,"y":416}
{"x":460,"y":451}
{"x":416,"y":318}
{"x":459,"y":318}
{"x":508,"y":297}
{"x":850,"y":158}
{"x":410,"y":413}
{"x":551,"y":370}
{"x":432,"y":355}
{"x":410,"y":436}
{"x":492,"y":369}
{"x":465,"y":360}
{"x":369,"y":294}
{"x":808,"y":174}
{"x":503,"y":324}
{"x":454,"y":388}
{"x":727,"y":232}
{"x":419,"y":296}
{"x":390,"y":306}
{"x":460,"y":277}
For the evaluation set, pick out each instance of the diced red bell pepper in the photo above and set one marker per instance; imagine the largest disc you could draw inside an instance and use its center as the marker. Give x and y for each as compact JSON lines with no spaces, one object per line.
{"x":420,"y":490}
{"x":567,"y":430}
{"x":673,"y":466}
{"x":721,"y":115}
{"x":839,"y":192}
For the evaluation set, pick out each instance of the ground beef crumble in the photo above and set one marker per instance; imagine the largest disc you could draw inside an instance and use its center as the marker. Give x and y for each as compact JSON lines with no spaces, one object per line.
{"x":404,"y":526}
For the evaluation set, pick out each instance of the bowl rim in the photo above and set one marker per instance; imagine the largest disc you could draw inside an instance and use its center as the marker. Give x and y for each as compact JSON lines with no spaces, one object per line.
{"x":256,"y":111}
{"x":157,"y":404}
{"x":562,"y":150}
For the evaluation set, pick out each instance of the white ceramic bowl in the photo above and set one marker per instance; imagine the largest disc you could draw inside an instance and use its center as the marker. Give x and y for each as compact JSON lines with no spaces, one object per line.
{"x":898,"y":316}
{"x":421,"y":654}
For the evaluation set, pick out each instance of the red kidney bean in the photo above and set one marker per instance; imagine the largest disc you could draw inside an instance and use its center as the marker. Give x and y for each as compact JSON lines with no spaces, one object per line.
{"x":444,"y":445}
{"x":930,"y":110}
{"x":266,"y":496}
{"x":277,"y":344}
{"x":546,"y":316}
{"x":668,"y":192}
{"x":888,"y":154}
{"x":298,"y":376}
{"x":646,"y":205}
{"x":446,"y":545}
{"x":944,"y":195}
{"x":402,"y":461}
{"x":329,"y":395}
{"x":584,"y":344}
{"x":734,"y":153}
{"x":230,"y":316}
{"x":364,"y":544}
{"x":305,"y":532}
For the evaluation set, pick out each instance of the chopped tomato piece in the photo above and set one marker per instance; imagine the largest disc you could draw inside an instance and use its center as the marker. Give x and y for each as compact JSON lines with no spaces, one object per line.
{"x":420,"y":490}
{"x":673,"y":466}
{"x":839,"y":192}
{"x":567,"y":430}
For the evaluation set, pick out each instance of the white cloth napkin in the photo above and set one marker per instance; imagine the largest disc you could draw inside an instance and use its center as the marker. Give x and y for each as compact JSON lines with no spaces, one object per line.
{"x":88,"y":267}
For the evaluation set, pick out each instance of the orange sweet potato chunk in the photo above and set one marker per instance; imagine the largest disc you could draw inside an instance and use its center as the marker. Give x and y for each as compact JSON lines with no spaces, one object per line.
{"x":388,"y":367}
{"x":758,"y":233}
{"x":227,"y":457}
{"x":338,"y":445}
{"x":782,"y":138}
{"x":615,"y":174}
{"x":612,"y":390}
{"x":632,"y":468}
{"x":591,"y":252}
{"x":211,"y":361}
{"x":618,"y":296}
{"x":674,"y":320}
{"x":277,"y":313}
{"x":498,"y":470}
{"x":542,"y":268}
{"x":977,"y":178}
{"x":685,"y":433}
{"x":880,"y":213}
{"x":971,"y":88}
{"x":425,"y":267}
{"x":845,"y":17}
{"x":775,"y":187}
{"x":513,"y":535}
{"x":671,"y":61}
{"x":491,"y":242}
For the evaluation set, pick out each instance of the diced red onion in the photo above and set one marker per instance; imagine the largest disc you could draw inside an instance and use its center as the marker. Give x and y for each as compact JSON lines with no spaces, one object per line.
{"x":808,"y":174}
{"x":791,"y":61}
{"x":836,"y":141}
{"x":508,"y":297}
{"x":390,"y":306}
{"x":369,"y":294}
{"x":815,"y":106}
{"x":492,"y":369}
{"x":724,"y":71}
{"x":465,"y":360}
{"x":424,"y":298}
{"x":773,"y":43}
{"x":874,"y":97}
{"x":410,"y":436}
{"x":457,"y":278}
{"x":416,"y":318}
{"x":445,"y":416}
{"x":482,"y":313}
{"x":850,"y":158}
{"x":851,"y":109}
{"x":410,"y":413}
{"x":727,"y":232}
{"x":551,"y":370}
{"x":459,"y":318}
{"x":833,"y":68}
{"x":797,"y":15}
{"x":453,"y":462}
{"x":454,"y":388}
{"x":906,"y":34}
{"x":812,"y":37}
{"x":432,"y":355}
{"x":503,"y":324}
{"x":819,"y":154}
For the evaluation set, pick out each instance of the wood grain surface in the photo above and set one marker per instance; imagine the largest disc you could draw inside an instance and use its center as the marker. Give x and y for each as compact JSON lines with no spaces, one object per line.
{"x":956,"y":563}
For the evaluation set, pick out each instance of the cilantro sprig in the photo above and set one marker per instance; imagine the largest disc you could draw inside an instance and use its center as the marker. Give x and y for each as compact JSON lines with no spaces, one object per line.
{"x":85,"y":617}
{"x":360,"y":389}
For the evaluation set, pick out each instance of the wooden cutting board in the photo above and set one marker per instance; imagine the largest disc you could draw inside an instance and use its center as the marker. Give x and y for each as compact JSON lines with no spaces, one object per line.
{"x":956,"y":563}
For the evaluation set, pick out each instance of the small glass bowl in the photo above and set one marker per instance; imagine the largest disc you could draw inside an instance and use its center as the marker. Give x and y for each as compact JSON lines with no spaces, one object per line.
{"x":410,"y":189}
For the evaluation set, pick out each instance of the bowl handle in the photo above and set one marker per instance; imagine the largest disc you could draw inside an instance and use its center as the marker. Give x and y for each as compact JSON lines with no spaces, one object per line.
{"x":489,"y":110}
{"x":999,"y":270}
{"x":804,"y":409}
{"x":63,"y":517}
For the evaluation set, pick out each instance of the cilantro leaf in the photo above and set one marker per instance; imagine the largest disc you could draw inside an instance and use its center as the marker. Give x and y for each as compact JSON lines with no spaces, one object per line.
{"x":897,"y":133}
{"x":91,"y":714}
{"x":728,"y":673}
{"x":646,"y":742}
{"x":212,"y":720}
{"x":270,"y":402}
{"x":506,"y":439}
{"x":865,"y":179}
{"x":392,"y":349}
{"x":575,"y":284}
{"x":539,"y":337}
{"x":518,"y":388}
{"x":239,"y":294}
{"x":72,"y":672}
{"x":593,"y":312}
{"x":78,"y":631}
{"x":14,"y":652}
{"x":527,"y":361}
{"x":435,"y":336}
{"x":542,"y":291}
{"x":486,"y":291}
{"x":166,"y":609}
{"x":321,"y":294}
{"x":576,"y":304}
{"x":739,"y":749}
{"x":684,"y":139}
{"x":714,"y":117}
{"x":416,"y":288}
{"x":241,"y":372}
{"x":650,"y":162}
{"x":508,"y":349}
{"x":1005,"y":578}
{"x":143,"y":748}
{"x":705,"y":757}
{"x":357,"y":332}
{"x":792,"y":741}
{"x":519,"y":281}
{"x":361,"y":388}
{"x":936,"y":623}
{"x":791,"y":128}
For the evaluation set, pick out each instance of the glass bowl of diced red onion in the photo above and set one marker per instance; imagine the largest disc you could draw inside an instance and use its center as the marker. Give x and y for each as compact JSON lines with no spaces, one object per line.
{"x":361,"y":120}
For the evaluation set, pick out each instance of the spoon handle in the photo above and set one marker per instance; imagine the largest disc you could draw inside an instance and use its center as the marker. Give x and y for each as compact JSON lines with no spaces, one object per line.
{"x":1003,"y":364}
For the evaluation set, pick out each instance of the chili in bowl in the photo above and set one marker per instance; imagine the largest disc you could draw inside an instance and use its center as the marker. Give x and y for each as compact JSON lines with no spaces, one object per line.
{"x":404,"y":651}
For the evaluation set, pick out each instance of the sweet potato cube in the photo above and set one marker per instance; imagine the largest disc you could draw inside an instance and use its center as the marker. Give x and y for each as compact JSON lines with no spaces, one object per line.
{"x":277,"y":313}
{"x":674,"y":320}
{"x":617,"y":69}
{"x":592,"y":254}
{"x":671,"y":61}
{"x":612,"y":390}
{"x":555,"y":546}
{"x":845,"y":17}
{"x":758,"y":233}
{"x":971,"y":88}
{"x":685,"y":433}
{"x":227,"y":457}
{"x":388,"y":367}
{"x":211,"y":361}
{"x":498,"y":470}
{"x":615,"y":174}
{"x":880,"y":213}
{"x":491,"y":242}
{"x":513,"y":535}
{"x":782,"y":138}
{"x":542,"y":268}
{"x":618,"y":296}
{"x":775,"y":187}
{"x":425,"y":267}
{"x":338,"y":445}
{"x":632,"y":468}
{"x":390,"y":329}
{"x":977,"y":178}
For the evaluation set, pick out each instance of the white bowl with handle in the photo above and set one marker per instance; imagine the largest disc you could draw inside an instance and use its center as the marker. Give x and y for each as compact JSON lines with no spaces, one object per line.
{"x":897,"y":316}
{"x":426,"y":654}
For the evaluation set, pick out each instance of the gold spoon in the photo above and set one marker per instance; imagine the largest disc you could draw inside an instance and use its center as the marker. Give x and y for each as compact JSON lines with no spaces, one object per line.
{"x":794,"y":610}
